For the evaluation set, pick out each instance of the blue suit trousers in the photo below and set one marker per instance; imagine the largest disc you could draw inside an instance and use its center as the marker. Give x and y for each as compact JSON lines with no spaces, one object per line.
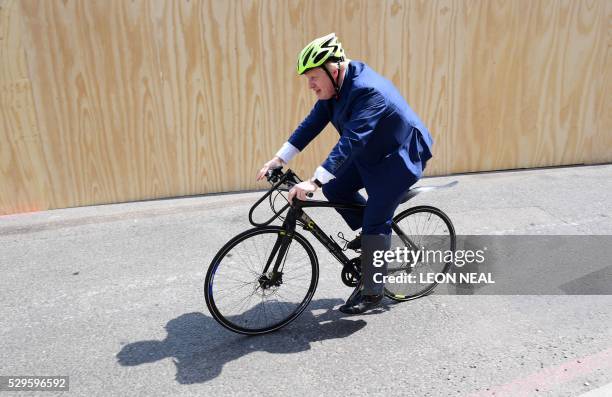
{"x":384,"y":196}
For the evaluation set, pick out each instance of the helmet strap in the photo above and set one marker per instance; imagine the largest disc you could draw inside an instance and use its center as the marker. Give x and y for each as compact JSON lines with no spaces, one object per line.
{"x":334,"y":82}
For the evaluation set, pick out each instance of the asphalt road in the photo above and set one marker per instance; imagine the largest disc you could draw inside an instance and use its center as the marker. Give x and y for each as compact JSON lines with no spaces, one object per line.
{"x":112,"y":297}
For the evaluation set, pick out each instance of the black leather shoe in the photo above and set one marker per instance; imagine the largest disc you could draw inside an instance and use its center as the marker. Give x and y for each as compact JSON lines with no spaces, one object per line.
{"x":355,"y":243}
{"x":354,"y":297}
{"x":362,"y":304}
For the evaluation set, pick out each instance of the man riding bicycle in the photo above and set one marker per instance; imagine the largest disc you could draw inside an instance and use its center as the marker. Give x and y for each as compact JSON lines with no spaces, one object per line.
{"x":383,"y":147}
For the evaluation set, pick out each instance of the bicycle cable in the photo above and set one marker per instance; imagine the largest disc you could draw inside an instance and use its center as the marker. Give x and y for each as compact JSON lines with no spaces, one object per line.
{"x":272,"y":200}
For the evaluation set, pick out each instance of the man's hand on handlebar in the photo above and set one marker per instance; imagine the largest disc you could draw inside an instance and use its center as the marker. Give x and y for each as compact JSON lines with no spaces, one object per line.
{"x":302,"y":190}
{"x":276,"y":162}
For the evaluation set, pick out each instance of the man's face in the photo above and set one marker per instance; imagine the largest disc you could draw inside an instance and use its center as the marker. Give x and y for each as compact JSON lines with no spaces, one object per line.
{"x":320,"y":83}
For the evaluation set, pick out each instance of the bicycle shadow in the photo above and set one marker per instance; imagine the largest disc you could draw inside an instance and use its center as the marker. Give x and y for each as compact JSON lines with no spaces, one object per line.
{"x":200,"y":347}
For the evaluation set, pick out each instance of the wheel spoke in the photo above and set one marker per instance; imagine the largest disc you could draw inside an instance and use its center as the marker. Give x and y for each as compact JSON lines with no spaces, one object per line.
{"x":245,"y":299}
{"x":429,"y":228}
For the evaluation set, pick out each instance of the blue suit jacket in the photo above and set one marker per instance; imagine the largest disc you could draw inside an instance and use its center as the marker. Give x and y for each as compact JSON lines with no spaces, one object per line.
{"x":378,"y":129}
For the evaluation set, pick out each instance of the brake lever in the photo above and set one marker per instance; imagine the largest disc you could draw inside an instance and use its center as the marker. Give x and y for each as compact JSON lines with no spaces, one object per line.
{"x":274,"y":174}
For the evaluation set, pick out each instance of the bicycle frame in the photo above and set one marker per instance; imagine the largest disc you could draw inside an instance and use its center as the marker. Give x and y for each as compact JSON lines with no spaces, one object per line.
{"x":284,"y":240}
{"x":295,"y":214}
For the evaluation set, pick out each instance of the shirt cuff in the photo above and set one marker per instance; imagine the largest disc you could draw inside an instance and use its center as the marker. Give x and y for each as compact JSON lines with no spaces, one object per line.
{"x":287,"y":152}
{"x":322,"y":175}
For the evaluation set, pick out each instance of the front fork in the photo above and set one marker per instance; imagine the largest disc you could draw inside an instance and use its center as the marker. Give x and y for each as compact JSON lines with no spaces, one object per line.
{"x":277,"y":256}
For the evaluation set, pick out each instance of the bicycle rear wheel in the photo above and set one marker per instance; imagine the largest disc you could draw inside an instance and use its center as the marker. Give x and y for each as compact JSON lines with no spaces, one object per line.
{"x":425,"y":229}
{"x":244,"y":299}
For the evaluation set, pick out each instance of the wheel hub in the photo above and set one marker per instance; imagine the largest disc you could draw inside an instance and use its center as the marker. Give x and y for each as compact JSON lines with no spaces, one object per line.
{"x":270,"y":280}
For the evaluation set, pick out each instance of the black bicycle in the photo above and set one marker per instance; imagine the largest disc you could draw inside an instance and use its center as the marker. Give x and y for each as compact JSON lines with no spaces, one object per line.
{"x":264,"y":278}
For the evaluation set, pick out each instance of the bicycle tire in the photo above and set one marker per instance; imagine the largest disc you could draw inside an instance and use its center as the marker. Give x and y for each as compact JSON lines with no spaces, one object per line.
{"x":243,"y":325}
{"x":428,"y":288}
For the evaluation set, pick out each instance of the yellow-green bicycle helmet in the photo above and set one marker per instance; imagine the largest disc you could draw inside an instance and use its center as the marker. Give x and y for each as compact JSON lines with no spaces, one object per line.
{"x":318,"y":52}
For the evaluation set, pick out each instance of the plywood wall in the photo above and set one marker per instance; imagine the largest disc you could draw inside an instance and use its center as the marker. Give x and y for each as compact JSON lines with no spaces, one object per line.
{"x":111,"y":101}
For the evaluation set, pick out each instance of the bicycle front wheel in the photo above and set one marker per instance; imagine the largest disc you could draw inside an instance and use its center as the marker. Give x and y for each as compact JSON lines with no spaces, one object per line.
{"x":244,"y":296}
{"x":421,"y":230}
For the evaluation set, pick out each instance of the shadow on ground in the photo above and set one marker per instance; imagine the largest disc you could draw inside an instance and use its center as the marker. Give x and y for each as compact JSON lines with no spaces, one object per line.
{"x":200,"y":347}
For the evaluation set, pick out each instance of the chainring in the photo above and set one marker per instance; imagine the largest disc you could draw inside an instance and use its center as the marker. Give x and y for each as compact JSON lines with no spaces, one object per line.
{"x":351,"y":273}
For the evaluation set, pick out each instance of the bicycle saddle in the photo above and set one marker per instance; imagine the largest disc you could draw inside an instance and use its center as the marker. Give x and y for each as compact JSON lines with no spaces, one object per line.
{"x":421,"y":189}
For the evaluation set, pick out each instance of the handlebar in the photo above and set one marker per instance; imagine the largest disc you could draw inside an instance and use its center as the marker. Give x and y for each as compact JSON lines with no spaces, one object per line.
{"x":277,"y":178}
